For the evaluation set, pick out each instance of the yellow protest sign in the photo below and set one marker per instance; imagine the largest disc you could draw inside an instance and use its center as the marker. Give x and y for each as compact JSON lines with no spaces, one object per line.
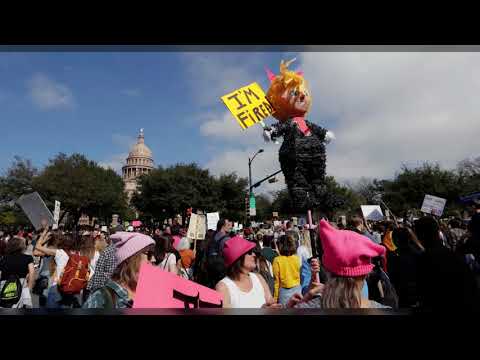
{"x":248,"y":105}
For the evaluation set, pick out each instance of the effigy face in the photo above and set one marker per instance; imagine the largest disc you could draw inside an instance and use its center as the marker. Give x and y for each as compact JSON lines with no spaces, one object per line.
{"x":288,"y":94}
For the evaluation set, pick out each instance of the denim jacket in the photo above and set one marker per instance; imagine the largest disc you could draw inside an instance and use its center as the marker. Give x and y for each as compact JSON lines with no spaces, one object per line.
{"x":97,"y":299}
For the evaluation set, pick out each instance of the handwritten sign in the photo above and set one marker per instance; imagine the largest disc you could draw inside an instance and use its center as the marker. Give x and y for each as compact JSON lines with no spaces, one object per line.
{"x":158,"y":289}
{"x":248,"y":105}
{"x":372,"y":212}
{"x":212,"y":220}
{"x":433,"y":205}
{"x":197,"y":227}
{"x":56,"y":215}
{"x":36,"y":210}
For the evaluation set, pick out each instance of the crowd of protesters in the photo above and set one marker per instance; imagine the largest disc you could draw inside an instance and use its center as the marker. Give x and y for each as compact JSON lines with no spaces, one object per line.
{"x":426,"y":264}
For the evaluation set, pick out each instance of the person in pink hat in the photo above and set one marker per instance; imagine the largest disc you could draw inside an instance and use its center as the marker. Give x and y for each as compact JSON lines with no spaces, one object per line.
{"x":131,"y":250}
{"x":347,"y":258}
{"x":242,"y":288}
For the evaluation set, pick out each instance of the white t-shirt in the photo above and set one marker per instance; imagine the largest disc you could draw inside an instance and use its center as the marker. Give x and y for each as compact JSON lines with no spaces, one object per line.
{"x":303,"y":253}
{"x":169,"y":261}
{"x":254,"y":299}
{"x":61,"y":259}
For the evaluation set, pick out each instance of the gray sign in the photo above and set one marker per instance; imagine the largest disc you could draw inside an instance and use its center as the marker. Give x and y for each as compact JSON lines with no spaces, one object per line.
{"x":35,"y":209}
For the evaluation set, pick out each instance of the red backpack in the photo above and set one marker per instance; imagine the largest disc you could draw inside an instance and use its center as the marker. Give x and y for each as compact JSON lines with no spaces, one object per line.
{"x":75,"y":275}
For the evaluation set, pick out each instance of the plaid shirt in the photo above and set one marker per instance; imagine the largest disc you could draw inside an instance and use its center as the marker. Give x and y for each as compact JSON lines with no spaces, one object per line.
{"x":103,"y":269}
{"x":97,"y":299}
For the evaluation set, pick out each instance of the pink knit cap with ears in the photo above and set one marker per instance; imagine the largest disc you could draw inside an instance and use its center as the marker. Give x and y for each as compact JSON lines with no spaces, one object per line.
{"x":347,"y":253}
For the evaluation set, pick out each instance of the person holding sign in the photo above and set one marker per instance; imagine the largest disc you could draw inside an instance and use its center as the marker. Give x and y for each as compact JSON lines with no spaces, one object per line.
{"x":242,"y":288}
{"x":302,"y":153}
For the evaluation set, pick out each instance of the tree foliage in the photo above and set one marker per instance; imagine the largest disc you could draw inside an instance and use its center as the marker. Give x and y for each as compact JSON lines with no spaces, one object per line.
{"x":166,"y":192}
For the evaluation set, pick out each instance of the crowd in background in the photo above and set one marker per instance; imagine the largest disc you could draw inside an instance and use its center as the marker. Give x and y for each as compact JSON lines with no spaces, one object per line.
{"x":426,"y":264}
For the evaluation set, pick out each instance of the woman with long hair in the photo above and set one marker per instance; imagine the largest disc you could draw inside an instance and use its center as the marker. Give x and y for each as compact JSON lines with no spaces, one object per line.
{"x":347,"y":259}
{"x":403,"y":265}
{"x":164,"y":255}
{"x":131,"y":251}
{"x":241,"y":287}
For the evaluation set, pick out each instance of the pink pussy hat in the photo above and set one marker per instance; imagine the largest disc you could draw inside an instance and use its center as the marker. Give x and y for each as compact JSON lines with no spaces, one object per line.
{"x":234,"y":248}
{"x":128,"y":244}
{"x":347,"y":253}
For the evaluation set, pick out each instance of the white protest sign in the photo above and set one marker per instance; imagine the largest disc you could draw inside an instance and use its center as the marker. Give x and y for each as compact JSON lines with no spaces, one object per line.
{"x":36,"y":210}
{"x":197,"y":227}
{"x":56,"y":215}
{"x":433,"y":205}
{"x":277,"y":223}
{"x":372,"y":212}
{"x":212,"y":220}
{"x":235,"y":226}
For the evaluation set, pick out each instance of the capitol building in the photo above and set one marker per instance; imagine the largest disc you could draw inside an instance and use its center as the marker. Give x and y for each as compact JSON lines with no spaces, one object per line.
{"x":139,"y":161}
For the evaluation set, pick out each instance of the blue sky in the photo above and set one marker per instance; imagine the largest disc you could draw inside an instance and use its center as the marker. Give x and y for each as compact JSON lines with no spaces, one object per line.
{"x":385,"y":108}
{"x":94,"y":103}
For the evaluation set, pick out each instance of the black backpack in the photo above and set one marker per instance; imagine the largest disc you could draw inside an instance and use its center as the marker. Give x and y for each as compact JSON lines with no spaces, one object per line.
{"x":380,"y":288}
{"x":11,"y":292}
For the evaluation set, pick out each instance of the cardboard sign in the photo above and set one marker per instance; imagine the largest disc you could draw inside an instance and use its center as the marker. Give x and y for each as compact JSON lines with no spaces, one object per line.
{"x":36,"y":210}
{"x":56,"y":215}
{"x":136,"y":223}
{"x":275,"y":214}
{"x":158,"y":289}
{"x":212,"y":220}
{"x":248,"y":105}
{"x":197,"y":227}
{"x":372,"y":212}
{"x":433,"y":205}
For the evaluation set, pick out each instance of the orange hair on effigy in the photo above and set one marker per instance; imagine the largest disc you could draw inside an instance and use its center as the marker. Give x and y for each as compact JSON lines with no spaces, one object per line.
{"x":281,"y":85}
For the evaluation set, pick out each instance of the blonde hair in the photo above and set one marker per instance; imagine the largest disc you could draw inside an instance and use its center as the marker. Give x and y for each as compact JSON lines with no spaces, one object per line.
{"x":343,"y":293}
{"x":286,"y":80}
{"x":126,"y":272}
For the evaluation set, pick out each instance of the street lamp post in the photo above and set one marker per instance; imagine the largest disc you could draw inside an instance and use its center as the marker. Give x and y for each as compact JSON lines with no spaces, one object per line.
{"x":250,"y":170}
{"x":250,"y":160}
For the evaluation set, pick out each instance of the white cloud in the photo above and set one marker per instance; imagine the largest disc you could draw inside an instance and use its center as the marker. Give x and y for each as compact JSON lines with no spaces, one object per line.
{"x":48,"y":94}
{"x":212,"y":75}
{"x":114,"y":162}
{"x":393,"y":108}
{"x":131,"y":92}
{"x":264,"y":164}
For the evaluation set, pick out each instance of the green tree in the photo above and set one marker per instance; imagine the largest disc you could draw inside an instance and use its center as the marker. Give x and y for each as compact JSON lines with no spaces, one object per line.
{"x":264,"y":208}
{"x":166,"y":192}
{"x":409,"y":187}
{"x":82,"y":187}
{"x":232,"y":192}
{"x":17,"y":181}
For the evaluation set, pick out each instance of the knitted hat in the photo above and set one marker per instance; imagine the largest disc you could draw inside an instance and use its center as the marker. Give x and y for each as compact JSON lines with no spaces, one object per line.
{"x":234,"y":248}
{"x":347,"y":253}
{"x":128,"y":244}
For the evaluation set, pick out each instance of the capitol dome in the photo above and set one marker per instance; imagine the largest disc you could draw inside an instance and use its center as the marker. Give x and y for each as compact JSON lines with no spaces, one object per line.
{"x":139,"y":161}
{"x":140,"y":149}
